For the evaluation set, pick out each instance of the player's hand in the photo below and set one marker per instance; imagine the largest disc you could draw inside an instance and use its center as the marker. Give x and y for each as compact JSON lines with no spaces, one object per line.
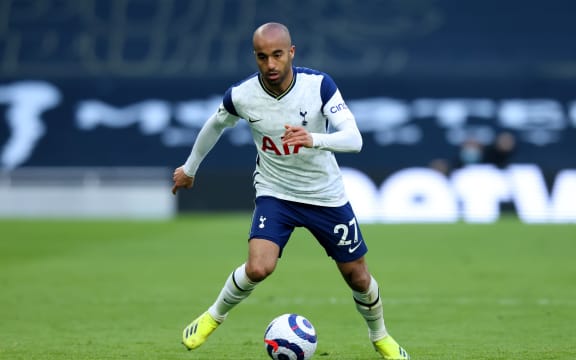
{"x":181,"y":180}
{"x":297,"y":135}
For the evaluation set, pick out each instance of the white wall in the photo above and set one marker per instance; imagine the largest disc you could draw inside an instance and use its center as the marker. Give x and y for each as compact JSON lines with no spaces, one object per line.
{"x":87,"y":193}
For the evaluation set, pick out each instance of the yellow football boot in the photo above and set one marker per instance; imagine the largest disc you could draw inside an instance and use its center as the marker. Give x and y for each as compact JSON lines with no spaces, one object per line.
{"x":198,"y":331}
{"x":390,"y":350}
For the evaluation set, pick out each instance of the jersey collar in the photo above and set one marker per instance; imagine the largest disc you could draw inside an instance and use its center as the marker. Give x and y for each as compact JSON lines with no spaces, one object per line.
{"x":278,"y":97}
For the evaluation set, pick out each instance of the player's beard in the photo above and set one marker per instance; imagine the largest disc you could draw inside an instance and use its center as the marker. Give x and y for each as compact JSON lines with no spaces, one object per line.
{"x":276,"y":82}
{"x":275,"y":78}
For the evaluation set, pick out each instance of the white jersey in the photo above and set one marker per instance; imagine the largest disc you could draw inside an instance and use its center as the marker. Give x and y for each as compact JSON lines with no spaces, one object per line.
{"x":295,"y":173}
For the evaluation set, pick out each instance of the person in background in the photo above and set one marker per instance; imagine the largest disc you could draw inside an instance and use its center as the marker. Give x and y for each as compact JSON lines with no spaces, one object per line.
{"x":501,"y":150}
{"x":471,"y":152}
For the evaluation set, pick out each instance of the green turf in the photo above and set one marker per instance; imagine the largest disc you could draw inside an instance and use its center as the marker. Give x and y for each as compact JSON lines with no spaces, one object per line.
{"x":124,"y":290}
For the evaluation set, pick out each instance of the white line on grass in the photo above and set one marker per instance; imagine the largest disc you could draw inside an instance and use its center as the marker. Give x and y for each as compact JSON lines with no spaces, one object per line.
{"x":461,"y":301}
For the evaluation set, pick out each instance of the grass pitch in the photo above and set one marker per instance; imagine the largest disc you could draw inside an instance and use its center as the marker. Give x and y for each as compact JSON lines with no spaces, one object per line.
{"x":125,"y":290}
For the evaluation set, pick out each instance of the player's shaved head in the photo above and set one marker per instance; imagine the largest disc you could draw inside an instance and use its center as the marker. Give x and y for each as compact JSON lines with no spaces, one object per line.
{"x":272,"y":32}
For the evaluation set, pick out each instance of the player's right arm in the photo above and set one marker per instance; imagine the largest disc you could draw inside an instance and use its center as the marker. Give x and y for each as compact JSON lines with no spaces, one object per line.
{"x":208,"y":136}
{"x":181,"y":180}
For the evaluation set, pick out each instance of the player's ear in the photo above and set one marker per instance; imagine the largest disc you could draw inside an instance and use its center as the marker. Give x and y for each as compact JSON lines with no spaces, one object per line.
{"x":292,"y":51}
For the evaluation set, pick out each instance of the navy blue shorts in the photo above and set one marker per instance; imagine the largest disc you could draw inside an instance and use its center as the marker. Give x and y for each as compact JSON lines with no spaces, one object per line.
{"x":335,"y":228}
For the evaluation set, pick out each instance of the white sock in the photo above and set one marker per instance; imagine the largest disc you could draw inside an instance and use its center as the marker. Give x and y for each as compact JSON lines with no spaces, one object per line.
{"x":369,"y":305}
{"x":237,"y":288}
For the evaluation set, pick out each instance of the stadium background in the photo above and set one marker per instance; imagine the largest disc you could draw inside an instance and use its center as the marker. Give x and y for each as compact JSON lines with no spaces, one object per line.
{"x":100,"y":99}
{"x":109,"y":94}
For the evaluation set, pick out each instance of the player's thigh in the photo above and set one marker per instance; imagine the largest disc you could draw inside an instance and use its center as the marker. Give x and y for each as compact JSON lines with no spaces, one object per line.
{"x":263,"y":255}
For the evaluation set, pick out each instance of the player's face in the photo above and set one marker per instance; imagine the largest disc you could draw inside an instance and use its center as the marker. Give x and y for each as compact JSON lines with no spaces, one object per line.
{"x":274,"y":59}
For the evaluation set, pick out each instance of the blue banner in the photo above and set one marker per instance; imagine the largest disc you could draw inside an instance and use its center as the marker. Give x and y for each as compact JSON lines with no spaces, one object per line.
{"x":154,"y":123}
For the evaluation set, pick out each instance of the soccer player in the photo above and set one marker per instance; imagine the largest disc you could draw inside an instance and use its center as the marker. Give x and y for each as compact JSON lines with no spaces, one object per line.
{"x":297,"y":180}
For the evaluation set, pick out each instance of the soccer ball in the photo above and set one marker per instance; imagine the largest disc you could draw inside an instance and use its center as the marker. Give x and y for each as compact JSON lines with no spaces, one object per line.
{"x":290,"y":337}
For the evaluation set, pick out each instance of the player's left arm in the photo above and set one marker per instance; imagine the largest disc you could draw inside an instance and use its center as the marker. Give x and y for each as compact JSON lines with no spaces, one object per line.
{"x":345,"y":138}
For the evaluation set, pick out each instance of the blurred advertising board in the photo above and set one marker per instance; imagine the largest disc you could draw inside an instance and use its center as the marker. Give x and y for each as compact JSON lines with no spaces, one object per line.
{"x":394,"y":179}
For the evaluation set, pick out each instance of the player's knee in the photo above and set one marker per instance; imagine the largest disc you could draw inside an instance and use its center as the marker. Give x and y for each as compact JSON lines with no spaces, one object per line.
{"x":359,"y":281}
{"x":356,"y":275}
{"x":258,"y":272}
